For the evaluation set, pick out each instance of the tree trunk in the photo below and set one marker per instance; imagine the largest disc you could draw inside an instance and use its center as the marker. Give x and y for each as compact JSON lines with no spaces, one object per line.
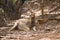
{"x":19,"y":4}
{"x":32,"y":20}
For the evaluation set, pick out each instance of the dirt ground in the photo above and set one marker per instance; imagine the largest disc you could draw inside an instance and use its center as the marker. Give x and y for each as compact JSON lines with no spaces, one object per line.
{"x":53,"y":33}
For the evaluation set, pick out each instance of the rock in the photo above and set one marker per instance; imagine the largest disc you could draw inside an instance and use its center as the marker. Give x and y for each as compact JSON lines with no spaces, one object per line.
{"x":45,"y":39}
{"x":57,"y":17}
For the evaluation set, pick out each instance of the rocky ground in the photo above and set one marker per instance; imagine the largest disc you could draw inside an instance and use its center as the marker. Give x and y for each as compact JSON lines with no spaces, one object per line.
{"x":48,"y":31}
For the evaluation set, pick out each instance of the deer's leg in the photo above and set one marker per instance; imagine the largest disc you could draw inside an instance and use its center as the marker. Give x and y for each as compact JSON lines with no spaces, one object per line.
{"x":15,"y":25}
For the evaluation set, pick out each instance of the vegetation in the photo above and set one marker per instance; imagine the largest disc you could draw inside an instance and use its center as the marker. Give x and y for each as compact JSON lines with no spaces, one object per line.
{"x":13,"y":9}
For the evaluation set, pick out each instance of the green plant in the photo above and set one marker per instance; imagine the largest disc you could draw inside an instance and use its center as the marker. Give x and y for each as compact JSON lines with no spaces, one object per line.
{"x":14,"y":1}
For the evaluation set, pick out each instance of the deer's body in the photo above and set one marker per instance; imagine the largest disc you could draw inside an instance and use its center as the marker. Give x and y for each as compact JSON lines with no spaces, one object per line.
{"x":23,"y":24}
